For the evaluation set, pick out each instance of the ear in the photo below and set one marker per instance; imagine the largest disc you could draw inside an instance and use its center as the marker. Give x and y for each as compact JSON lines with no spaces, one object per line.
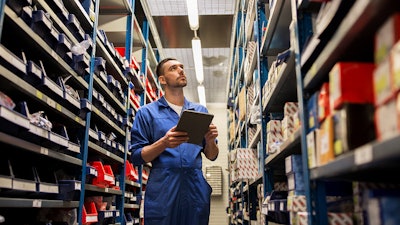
{"x":162,"y":80}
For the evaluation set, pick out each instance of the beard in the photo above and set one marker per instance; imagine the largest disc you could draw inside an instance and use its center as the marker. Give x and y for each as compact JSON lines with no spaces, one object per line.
{"x":180,"y":82}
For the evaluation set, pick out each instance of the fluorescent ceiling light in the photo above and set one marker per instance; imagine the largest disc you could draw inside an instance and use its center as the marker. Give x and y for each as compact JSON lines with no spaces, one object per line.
{"x":198,"y":59}
{"x":202,"y":94}
{"x":193,"y":14}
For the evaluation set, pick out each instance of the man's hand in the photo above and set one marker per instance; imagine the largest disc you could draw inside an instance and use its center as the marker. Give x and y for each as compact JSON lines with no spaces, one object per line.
{"x":211,"y":149}
{"x":174,"y":138}
{"x":211,"y":134}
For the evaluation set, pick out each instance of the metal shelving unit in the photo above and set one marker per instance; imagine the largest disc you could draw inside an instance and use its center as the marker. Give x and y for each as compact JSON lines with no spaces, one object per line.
{"x":36,"y":73}
{"x":304,"y":73}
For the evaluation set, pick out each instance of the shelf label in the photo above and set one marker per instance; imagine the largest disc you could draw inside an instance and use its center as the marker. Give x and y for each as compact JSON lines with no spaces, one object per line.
{"x":77,"y":119}
{"x":37,"y":203}
{"x":281,"y":206}
{"x":77,"y":186}
{"x":44,"y":151}
{"x":51,"y":102}
{"x":108,"y":214}
{"x":58,"y":107}
{"x":106,"y":190}
{"x":313,"y":70}
{"x":363,"y":155}
{"x":39,"y":95}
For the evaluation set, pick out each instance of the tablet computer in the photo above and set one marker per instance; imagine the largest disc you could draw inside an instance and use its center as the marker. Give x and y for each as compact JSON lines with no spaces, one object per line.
{"x":195,"y":124}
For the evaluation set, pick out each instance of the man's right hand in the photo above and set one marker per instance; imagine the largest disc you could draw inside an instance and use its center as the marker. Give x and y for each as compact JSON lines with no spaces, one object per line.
{"x":174,"y":138}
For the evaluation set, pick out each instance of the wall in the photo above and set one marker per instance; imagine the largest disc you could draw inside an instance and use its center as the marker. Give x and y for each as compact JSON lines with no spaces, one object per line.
{"x":218,"y":214}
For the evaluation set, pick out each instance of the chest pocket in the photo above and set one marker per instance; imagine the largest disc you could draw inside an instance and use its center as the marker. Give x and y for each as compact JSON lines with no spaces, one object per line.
{"x":161,"y":125}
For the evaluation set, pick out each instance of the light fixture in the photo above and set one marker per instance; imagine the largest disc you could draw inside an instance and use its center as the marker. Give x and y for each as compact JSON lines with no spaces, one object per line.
{"x":198,"y":59}
{"x":193,"y":14}
{"x":202,"y":94}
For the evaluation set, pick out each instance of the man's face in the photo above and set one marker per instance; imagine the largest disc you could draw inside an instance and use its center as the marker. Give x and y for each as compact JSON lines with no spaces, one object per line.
{"x":173,"y":75}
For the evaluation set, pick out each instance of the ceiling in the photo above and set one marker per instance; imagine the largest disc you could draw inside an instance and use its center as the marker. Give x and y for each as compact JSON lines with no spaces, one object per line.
{"x":215,"y":27}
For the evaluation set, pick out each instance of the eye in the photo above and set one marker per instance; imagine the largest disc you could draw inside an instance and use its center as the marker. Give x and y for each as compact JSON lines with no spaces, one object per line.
{"x":172,"y":68}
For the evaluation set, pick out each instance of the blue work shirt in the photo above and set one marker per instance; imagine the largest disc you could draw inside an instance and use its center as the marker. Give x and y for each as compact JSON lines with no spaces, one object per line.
{"x":176,"y":192}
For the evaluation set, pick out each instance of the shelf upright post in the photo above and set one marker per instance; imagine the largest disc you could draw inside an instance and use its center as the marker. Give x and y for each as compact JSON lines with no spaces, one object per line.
{"x":85,"y":142}
{"x":262,"y":68}
{"x":2,"y":6}
{"x":128,"y":49}
{"x":143,"y":69}
{"x":316,"y":207}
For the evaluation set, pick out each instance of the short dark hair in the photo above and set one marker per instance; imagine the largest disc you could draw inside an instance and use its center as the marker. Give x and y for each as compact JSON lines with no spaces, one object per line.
{"x":161,"y":64}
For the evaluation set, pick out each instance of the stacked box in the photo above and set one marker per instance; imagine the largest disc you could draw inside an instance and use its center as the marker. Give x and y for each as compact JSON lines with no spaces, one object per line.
{"x":296,"y":182}
{"x":387,"y":120}
{"x":288,"y":124}
{"x":293,"y":164}
{"x":387,"y":35}
{"x":382,"y":83}
{"x":325,"y":151}
{"x":395,"y":67}
{"x":296,"y":203}
{"x":245,"y":165}
{"x":312,"y":149}
{"x":312,"y":108}
{"x":387,"y":78}
{"x":323,"y":102}
{"x":354,"y":126}
{"x":274,"y":136}
{"x":333,"y":218}
{"x":280,"y":186}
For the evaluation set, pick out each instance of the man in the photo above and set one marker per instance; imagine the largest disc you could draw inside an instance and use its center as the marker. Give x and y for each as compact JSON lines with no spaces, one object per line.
{"x":176,"y":191}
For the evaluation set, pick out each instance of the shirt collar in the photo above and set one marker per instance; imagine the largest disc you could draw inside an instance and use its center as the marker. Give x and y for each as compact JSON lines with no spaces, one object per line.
{"x":186,"y":105}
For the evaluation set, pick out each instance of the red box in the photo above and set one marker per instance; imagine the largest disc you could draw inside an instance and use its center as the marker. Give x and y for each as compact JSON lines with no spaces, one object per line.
{"x":351,"y":82}
{"x":134,"y":64}
{"x":323,"y":102}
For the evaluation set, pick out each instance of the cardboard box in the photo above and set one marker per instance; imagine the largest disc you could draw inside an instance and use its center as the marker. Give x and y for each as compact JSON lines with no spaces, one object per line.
{"x":333,"y":218}
{"x":350,"y":82}
{"x":296,"y":203}
{"x":387,"y":35}
{"x":395,"y":67}
{"x":294,"y":164}
{"x":296,"y":181}
{"x":325,"y":151}
{"x":312,"y":148}
{"x":386,"y":120}
{"x":323,"y":102}
{"x":312,"y":107}
{"x":353,"y":126}
{"x":382,"y":83}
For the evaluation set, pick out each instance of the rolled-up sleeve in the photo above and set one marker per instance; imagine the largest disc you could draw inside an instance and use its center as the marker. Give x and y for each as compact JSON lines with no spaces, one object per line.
{"x":140,"y":136}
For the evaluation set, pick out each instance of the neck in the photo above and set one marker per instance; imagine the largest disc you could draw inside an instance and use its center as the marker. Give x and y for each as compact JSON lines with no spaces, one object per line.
{"x":175,"y":97}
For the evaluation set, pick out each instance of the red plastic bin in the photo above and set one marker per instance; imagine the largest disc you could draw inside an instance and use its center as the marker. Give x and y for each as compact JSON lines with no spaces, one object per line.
{"x":105,"y":176}
{"x":89,"y":213}
{"x":130,"y":172}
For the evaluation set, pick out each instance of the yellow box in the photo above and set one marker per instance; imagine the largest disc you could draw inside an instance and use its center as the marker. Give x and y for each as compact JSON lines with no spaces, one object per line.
{"x":325,"y":152}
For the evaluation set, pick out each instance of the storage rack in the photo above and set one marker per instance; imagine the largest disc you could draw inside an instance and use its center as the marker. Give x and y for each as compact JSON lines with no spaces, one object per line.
{"x":277,"y":26}
{"x":79,"y":165}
